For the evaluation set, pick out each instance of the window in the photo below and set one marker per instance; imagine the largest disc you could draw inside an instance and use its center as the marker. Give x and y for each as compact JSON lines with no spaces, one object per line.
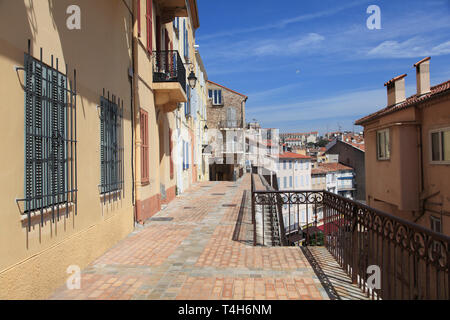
{"x":231,"y":118}
{"x":145,"y":176}
{"x":284,"y":164}
{"x":187,"y":105}
{"x":187,"y":155}
{"x":285,"y":182}
{"x":290,"y":182}
{"x":149,"y":20}
{"x":278,"y":183}
{"x":440,"y":146}
{"x":383,"y":146}
{"x":210,"y":94}
{"x":50,"y":138}
{"x":111,"y":150}
{"x":185,"y":41}
{"x":184,"y":156}
{"x":290,"y":164}
{"x":216,"y":96}
{"x":436,"y":224}
{"x":176,"y":26}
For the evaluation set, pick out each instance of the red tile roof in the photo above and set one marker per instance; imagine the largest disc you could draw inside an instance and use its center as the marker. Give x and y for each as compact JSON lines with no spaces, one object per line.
{"x":292,"y":155}
{"x":440,"y":89}
{"x":227,"y":88}
{"x":335,"y":166}
{"x":317,"y":171}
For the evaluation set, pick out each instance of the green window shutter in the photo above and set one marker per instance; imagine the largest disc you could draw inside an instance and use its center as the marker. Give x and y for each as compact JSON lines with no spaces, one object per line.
{"x":111,"y":146}
{"x":46,"y":137}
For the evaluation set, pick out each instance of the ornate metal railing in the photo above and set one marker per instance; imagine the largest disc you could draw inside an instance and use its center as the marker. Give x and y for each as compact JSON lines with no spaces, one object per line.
{"x":230,"y":124}
{"x":168,"y":67}
{"x":388,"y":257}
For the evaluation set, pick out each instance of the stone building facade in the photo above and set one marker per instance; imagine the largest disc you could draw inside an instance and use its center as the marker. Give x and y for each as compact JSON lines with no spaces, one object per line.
{"x":226,"y":136}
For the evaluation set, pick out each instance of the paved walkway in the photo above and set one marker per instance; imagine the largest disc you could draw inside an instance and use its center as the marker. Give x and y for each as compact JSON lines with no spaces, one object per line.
{"x":194,"y":249}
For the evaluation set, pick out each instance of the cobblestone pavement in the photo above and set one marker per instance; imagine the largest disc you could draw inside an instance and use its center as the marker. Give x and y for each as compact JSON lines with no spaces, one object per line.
{"x":194,"y":249}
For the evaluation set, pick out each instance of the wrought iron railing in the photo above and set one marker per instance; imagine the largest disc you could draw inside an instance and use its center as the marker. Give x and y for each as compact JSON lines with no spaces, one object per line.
{"x":412,"y":262}
{"x":230,"y":124}
{"x":168,"y":67}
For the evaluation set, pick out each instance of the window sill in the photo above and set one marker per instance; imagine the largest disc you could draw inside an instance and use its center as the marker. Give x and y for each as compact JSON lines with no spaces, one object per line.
{"x":109,"y":195}
{"x":36,"y":215}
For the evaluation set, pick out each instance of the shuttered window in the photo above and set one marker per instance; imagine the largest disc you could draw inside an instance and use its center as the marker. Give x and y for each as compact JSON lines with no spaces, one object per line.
{"x":149,"y":20}
{"x":187,"y":105}
{"x":50,"y":138}
{"x":184,"y":156}
{"x":111,"y":145}
{"x":145,"y":174}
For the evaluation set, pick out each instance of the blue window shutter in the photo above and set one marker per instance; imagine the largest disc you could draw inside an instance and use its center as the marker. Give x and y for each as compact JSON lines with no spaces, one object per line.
{"x":184,"y":163}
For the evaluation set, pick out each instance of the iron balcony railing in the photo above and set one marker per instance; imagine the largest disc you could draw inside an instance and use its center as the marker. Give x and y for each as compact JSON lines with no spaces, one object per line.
{"x":413,"y":261}
{"x":168,"y":67}
{"x":230,"y":124}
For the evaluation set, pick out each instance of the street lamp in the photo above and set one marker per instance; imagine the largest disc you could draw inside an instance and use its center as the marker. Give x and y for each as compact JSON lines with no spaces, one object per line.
{"x":192,"y":79}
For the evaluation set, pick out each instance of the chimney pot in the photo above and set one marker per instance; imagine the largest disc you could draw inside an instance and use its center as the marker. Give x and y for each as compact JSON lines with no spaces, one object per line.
{"x":396,"y":90}
{"x":423,"y":76}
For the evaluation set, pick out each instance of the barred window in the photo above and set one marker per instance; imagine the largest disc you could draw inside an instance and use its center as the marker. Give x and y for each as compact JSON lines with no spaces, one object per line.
{"x":111,"y":144}
{"x":50,"y":138}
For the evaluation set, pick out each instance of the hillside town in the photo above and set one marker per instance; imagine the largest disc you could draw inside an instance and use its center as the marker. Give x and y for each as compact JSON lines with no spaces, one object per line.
{"x":132,"y":166}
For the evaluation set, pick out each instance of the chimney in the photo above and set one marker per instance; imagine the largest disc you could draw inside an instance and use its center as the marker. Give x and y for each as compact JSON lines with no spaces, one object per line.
{"x":423,"y":76}
{"x":396,"y":90}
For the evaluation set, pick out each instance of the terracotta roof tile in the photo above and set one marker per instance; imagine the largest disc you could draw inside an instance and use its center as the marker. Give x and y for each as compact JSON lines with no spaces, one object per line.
{"x":292,"y":155}
{"x":443,"y":88}
{"x":335,"y":166}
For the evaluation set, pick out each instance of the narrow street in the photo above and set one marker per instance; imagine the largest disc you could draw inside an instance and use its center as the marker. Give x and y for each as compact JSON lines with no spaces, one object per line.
{"x":195,"y":249}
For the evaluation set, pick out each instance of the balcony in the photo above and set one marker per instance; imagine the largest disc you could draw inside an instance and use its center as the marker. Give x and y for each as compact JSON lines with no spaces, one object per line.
{"x":231,"y":124}
{"x":169,"y":79}
{"x":412,"y":262}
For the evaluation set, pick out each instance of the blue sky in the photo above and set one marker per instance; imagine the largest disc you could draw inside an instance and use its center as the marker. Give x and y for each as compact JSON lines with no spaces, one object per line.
{"x":313,"y":65}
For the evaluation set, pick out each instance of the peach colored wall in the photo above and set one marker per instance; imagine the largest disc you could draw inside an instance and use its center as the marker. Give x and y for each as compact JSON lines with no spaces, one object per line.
{"x":394,"y":185}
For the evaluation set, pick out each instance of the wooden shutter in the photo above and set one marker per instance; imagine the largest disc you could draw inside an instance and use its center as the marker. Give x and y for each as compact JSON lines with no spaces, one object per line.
{"x":145,"y":176}
{"x":149,"y":19}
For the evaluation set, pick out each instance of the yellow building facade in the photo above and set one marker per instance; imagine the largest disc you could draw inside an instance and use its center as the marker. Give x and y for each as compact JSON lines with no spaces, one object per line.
{"x":91,"y":117}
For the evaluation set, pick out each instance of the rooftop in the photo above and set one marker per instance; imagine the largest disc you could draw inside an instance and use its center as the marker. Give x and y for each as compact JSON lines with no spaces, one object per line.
{"x":334,"y":166}
{"x":292,"y":155}
{"x":438,"y":90}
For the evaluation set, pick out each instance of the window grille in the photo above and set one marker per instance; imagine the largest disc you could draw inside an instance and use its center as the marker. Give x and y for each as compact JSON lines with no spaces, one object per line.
{"x":111,"y":144}
{"x":50,"y":182}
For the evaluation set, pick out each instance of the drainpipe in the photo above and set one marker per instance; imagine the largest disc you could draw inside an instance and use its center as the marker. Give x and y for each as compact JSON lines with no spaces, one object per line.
{"x":134,"y":110}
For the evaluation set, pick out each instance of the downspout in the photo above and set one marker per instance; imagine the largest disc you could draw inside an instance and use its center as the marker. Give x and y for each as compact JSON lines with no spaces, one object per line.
{"x":134,"y":110}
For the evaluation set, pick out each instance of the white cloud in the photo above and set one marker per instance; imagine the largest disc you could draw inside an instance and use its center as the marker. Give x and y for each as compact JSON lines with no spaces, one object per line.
{"x":414,"y":47}
{"x":285,"y":22}
{"x":286,"y":47}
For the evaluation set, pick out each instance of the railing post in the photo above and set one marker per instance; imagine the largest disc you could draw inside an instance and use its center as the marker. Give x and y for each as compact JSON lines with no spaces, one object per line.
{"x":355,"y":249}
{"x":253,"y":210}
